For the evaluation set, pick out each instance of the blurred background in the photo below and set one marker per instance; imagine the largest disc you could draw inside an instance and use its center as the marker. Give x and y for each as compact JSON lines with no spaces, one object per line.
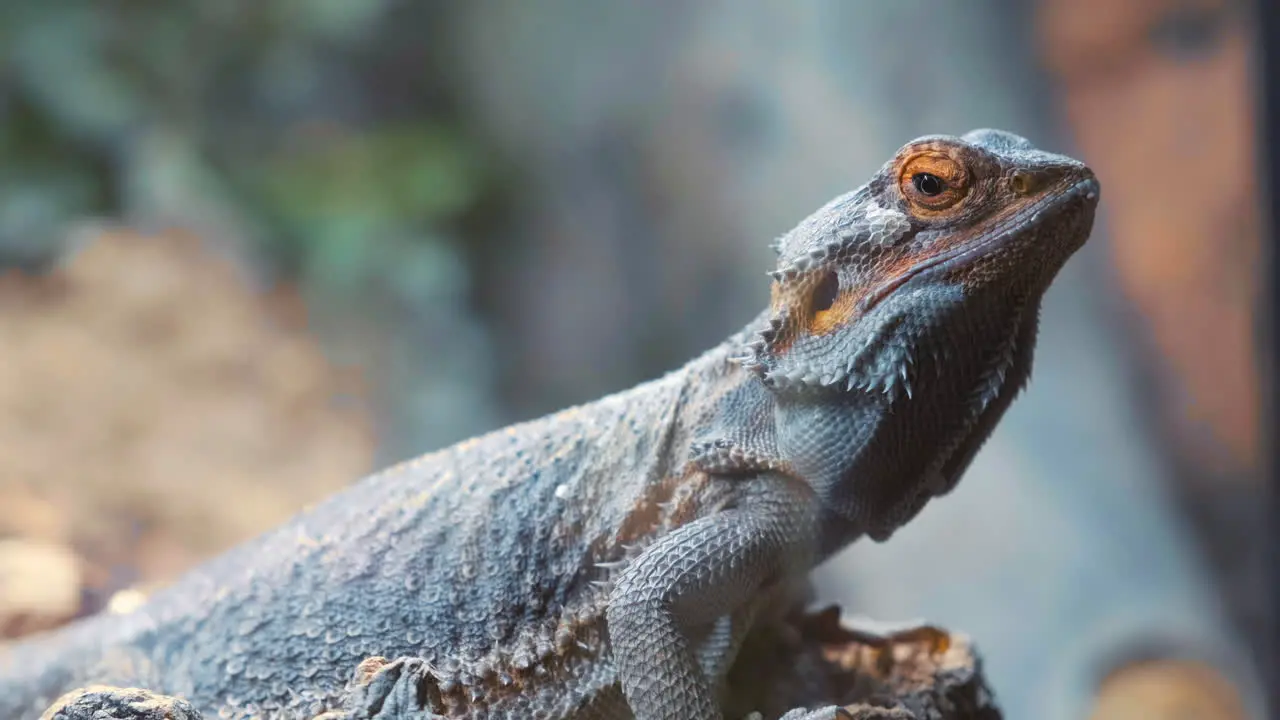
{"x":251,"y":250}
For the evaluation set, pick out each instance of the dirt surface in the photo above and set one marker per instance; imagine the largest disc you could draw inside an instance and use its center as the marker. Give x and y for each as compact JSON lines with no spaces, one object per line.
{"x":154,"y":410}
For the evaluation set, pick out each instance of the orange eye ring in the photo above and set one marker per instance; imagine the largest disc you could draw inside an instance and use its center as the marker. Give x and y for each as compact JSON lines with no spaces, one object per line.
{"x":933,"y":181}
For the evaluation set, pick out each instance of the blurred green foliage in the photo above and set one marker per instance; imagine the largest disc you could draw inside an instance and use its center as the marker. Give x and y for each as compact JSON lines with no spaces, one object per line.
{"x":332,"y":190}
{"x":279,"y":113}
{"x":318,"y":135}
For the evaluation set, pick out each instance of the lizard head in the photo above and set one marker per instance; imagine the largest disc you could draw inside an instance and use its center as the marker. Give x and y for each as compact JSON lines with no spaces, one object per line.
{"x":947,"y":220}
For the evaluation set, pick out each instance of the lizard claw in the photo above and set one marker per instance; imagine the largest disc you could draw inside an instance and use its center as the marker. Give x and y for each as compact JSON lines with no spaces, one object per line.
{"x":827,"y":713}
{"x":861,"y":711}
{"x":934,"y":639}
{"x":101,"y":701}
{"x":382,"y":689}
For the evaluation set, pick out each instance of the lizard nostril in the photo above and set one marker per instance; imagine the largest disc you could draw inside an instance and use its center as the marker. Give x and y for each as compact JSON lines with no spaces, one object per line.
{"x":1022,"y":182}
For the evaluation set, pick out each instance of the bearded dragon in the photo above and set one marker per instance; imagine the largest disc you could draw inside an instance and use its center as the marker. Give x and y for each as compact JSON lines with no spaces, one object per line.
{"x":609,"y":560}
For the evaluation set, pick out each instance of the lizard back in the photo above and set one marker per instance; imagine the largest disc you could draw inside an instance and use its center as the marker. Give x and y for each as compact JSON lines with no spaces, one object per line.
{"x":483,"y":558}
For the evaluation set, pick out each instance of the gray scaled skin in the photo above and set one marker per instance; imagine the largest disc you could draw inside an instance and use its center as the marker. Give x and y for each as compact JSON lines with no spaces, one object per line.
{"x":607,"y":561}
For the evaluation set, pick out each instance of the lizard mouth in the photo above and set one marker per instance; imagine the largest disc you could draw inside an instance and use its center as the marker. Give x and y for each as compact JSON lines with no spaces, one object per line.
{"x":1086,"y":190}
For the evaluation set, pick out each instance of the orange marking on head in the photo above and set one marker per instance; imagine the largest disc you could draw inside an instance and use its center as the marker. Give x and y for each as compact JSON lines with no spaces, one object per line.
{"x":782,"y":299}
{"x":777,"y":296}
{"x":840,"y":314}
{"x":952,"y":180}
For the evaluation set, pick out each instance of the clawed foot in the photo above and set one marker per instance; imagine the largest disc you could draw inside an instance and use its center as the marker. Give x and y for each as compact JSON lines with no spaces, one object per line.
{"x":99,"y":702}
{"x":861,"y":711}
{"x":934,"y":639}
{"x":390,"y":689}
{"x":825,"y":626}
{"x":812,"y":659}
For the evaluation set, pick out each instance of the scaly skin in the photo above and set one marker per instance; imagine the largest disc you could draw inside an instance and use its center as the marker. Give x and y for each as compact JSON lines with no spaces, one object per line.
{"x":608,"y":561}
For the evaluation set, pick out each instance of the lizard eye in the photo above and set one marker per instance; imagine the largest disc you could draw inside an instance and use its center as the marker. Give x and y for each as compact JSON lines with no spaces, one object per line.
{"x":928,"y":183}
{"x":932,"y":181}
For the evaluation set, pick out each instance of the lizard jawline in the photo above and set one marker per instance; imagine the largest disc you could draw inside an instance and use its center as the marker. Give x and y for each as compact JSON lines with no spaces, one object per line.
{"x":966,"y":253}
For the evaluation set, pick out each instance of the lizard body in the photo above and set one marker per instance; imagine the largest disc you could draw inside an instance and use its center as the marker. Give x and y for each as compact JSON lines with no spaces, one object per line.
{"x":608,"y":561}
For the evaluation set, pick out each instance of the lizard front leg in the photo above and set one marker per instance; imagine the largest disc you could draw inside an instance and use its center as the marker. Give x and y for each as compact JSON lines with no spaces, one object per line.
{"x":695,"y":576}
